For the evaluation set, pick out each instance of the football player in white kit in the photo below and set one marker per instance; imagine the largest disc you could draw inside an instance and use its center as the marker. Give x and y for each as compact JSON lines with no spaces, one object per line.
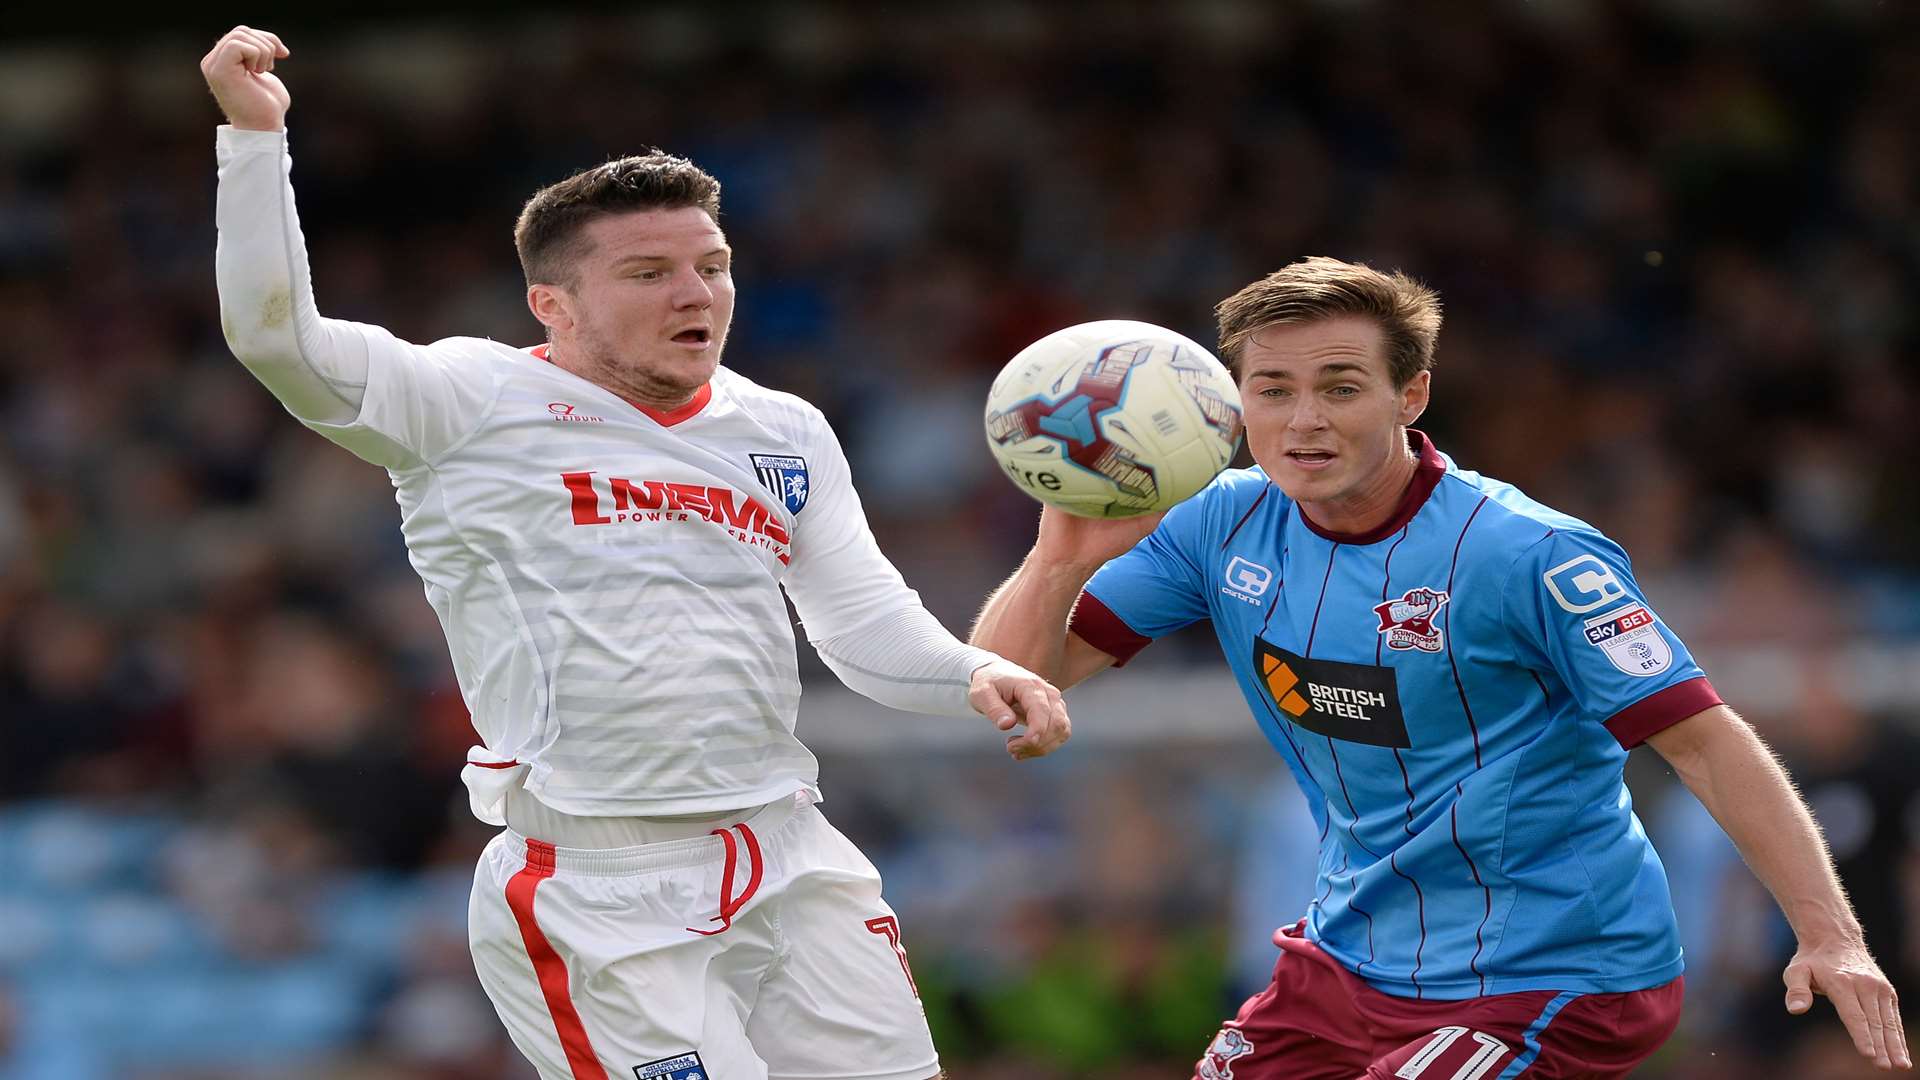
{"x":604,"y":524}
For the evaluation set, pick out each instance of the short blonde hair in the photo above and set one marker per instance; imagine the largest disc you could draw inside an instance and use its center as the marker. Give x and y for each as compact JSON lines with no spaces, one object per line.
{"x":1318,"y":287}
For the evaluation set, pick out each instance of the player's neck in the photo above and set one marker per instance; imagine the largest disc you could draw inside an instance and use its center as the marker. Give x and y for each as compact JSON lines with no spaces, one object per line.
{"x":651,"y":403}
{"x":1374,"y":504}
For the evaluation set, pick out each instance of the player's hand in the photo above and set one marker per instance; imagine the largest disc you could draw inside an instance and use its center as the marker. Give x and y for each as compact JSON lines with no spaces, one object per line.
{"x":239,"y":71}
{"x":1066,"y":539}
{"x":1846,"y":973}
{"x":1008,"y":694}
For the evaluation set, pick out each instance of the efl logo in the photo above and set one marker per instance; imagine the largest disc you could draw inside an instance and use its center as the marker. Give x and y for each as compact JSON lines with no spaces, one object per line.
{"x":745,"y":518}
{"x":1247,"y":580}
{"x":1584,"y":583}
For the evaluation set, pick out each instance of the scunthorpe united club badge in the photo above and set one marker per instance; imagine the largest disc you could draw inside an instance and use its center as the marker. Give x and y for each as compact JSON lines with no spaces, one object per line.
{"x":1229,"y":1044}
{"x":1408,"y":621}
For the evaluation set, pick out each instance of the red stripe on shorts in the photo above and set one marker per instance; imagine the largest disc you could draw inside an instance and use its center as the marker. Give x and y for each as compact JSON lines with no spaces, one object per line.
{"x":547,"y":965}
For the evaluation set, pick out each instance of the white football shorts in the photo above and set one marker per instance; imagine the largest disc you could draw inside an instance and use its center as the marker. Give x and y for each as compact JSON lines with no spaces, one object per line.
{"x":763,"y":952}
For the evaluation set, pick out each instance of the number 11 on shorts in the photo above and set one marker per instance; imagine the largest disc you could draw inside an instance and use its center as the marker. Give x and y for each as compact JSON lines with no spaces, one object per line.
{"x":1479,"y":1065}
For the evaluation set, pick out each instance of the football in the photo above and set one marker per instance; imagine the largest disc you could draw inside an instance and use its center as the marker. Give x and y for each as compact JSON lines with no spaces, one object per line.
{"x":1113,"y":418}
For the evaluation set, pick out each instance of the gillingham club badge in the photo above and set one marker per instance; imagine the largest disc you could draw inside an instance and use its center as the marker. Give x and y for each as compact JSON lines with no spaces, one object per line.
{"x":685,"y":1066}
{"x":785,"y":476}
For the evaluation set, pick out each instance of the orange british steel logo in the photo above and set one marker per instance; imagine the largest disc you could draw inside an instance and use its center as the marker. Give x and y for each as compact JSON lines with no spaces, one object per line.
{"x":1355,"y":702}
{"x":1281,"y":681}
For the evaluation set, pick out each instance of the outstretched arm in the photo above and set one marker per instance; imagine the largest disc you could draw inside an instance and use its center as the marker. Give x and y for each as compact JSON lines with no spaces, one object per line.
{"x":1736,"y":777}
{"x":1025,"y":620}
{"x":906,"y":660}
{"x":872,"y":630}
{"x":388,"y":401}
{"x":260,"y":262}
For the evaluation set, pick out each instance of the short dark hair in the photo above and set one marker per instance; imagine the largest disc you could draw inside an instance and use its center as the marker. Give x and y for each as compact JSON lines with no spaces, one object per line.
{"x":548,"y":233}
{"x":1317,"y":288}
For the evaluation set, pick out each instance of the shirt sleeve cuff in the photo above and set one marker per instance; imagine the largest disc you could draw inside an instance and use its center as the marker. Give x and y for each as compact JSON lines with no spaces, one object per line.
{"x":1098,"y":626}
{"x":1661,"y":710}
{"x":232,"y":139}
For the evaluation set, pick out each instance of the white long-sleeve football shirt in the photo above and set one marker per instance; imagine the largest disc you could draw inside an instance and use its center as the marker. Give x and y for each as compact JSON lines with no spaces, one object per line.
{"x":608,"y":577}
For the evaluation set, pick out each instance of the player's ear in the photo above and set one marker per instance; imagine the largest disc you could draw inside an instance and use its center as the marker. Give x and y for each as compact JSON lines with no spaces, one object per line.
{"x":551,"y":305}
{"x":1413,"y":397}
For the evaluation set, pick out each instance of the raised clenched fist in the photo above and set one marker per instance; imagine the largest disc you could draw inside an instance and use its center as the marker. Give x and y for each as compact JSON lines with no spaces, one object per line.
{"x":239,"y":71}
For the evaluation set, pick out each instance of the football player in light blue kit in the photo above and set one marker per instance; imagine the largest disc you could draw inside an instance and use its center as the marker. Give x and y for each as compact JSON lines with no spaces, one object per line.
{"x":1454,"y":673}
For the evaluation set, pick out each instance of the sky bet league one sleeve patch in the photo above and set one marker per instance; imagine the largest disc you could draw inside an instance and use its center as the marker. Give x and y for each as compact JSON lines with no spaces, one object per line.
{"x":1631,"y":640}
{"x":1354,"y":702}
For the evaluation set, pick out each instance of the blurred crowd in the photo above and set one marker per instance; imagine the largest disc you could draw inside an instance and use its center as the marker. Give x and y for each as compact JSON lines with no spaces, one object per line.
{"x":1679,"y":247}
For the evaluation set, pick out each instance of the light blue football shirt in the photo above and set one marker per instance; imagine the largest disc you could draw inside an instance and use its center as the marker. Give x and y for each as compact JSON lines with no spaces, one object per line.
{"x":1456,"y":693}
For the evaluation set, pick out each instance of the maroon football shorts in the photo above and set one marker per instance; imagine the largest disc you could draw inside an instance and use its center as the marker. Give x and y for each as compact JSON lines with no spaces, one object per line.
{"x":1318,"y":1021}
